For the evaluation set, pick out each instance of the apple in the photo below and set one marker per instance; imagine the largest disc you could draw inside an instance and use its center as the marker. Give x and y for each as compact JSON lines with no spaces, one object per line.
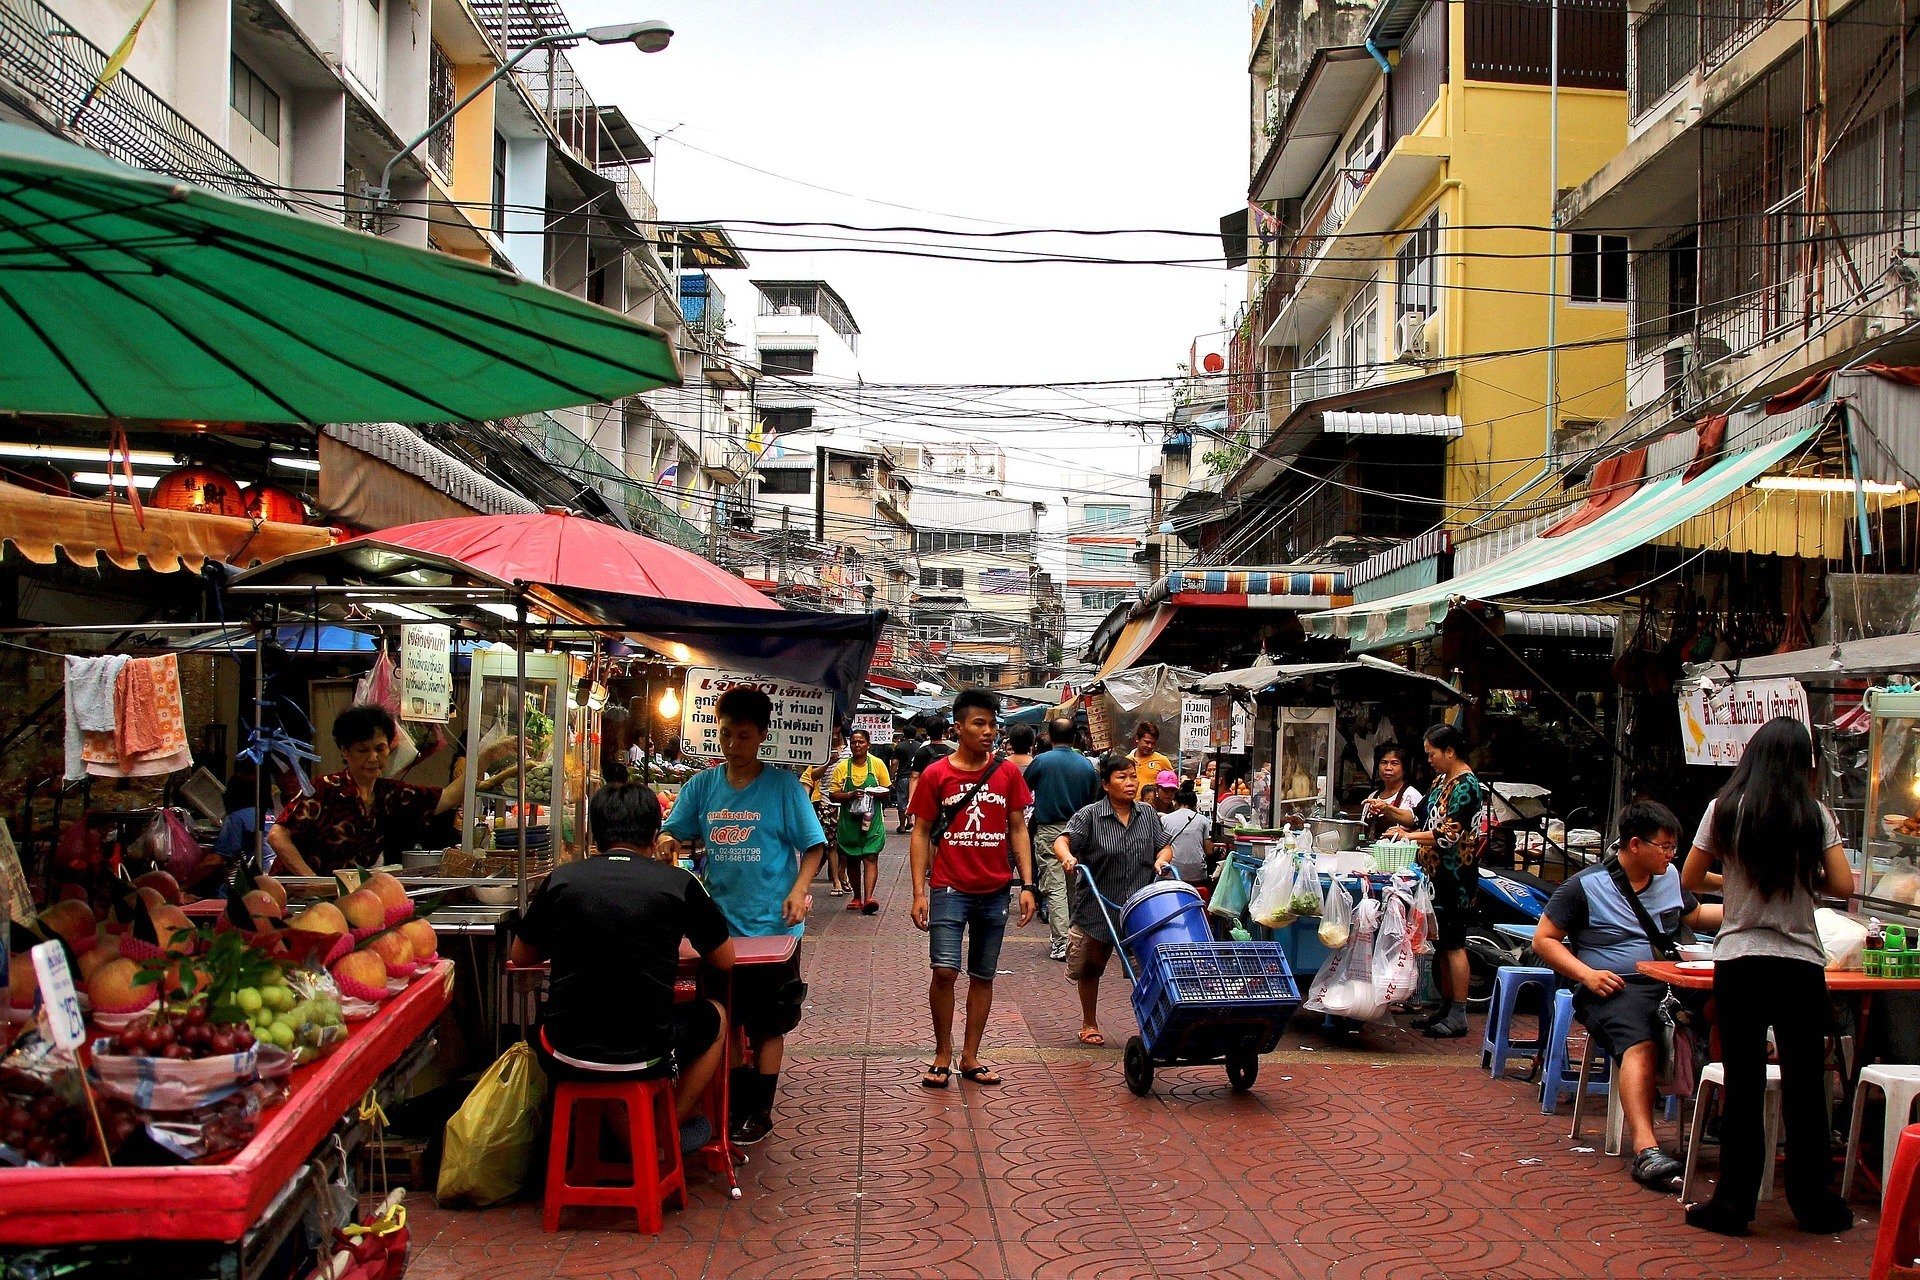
{"x":163,"y":883}
{"x":420,"y":933}
{"x":274,"y":887}
{"x":363,"y":967}
{"x":395,"y":950}
{"x":391,"y":891}
{"x":22,"y":983}
{"x":258,"y":903}
{"x":72,"y":920}
{"x":98,"y":957}
{"x":116,"y":987}
{"x":321,"y":917}
{"x":364,"y":909}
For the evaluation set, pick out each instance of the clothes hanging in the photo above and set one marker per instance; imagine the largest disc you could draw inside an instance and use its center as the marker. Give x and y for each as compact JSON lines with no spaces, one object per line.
{"x":91,"y":706}
{"x":149,"y":736}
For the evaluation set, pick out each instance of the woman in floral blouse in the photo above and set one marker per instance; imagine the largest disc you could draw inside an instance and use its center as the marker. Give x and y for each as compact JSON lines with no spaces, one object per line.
{"x":1449,"y":840}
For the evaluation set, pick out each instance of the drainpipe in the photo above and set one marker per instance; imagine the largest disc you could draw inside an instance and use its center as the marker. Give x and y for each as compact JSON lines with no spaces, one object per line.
{"x":1386,"y":68}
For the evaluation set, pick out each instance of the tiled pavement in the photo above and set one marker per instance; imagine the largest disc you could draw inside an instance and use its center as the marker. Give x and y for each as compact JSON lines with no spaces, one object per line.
{"x":1388,"y":1157}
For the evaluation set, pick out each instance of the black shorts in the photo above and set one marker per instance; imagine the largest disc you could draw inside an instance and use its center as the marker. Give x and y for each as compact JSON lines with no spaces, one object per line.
{"x":1450,"y":927}
{"x":767,"y":998}
{"x":1624,"y":1019}
{"x":692,"y":1027}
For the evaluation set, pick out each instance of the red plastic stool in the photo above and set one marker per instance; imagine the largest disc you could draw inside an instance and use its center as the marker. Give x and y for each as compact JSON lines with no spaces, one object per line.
{"x":655,"y":1174}
{"x":1898,"y":1242}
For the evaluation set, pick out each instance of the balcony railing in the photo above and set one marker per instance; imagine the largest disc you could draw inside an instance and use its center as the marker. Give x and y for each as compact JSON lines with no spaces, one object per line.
{"x":52,"y":71}
{"x":1675,"y":36}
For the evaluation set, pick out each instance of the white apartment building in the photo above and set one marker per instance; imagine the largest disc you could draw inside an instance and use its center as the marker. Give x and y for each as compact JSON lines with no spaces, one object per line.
{"x":1096,"y":553}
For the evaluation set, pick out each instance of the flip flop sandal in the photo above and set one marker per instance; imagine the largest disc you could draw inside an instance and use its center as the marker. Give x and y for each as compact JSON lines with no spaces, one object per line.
{"x":1093,"y":1038}
{"x":982,"y":1074}
{"x":936,"y":1077}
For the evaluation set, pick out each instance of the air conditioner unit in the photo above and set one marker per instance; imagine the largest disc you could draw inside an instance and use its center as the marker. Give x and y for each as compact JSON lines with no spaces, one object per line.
{"x":1411,"y":338}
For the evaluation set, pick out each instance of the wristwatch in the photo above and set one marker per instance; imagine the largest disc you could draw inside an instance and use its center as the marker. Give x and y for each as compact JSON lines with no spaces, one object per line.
{"x":1027,"y":888}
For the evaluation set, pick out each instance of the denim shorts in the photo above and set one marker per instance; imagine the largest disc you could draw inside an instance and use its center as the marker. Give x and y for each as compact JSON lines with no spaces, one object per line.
{"x":982,"y":916}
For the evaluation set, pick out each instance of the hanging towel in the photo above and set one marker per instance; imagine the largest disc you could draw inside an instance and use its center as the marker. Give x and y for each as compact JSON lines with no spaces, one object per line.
{"x":151,"y":737}
{"x":91,"y":692}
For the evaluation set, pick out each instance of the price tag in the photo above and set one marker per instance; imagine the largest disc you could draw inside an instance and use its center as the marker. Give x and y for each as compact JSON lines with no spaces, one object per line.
{"x":66,"y":1023}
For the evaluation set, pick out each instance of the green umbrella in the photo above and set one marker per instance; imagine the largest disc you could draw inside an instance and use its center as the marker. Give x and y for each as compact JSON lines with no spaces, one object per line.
{"x":131,"y":295}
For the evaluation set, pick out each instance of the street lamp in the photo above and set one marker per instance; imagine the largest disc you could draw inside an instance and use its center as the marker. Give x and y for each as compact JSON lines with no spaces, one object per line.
{"x":649,"y":36}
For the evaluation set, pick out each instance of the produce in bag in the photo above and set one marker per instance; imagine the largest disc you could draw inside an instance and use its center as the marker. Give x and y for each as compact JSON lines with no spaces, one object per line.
{"x":1421,"y":924}
{"x":1336,"y":916}
{"x":1344,"y":985}
{"x":490,"y":1139}
{"x":1273,"y":895}
{"x":1307,"y":897}
{"x":1396,"y":969}
{"x":1230,"y":894}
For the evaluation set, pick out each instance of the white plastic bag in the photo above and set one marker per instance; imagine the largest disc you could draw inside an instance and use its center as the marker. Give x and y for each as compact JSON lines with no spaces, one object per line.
{"x":1842,"y":937}
{"x":1272,"y":903}
{"x":1344,"y":985}
{"x":1336,"y":916}
{"x":1396,"y":969}
{"x":1420,"y":919}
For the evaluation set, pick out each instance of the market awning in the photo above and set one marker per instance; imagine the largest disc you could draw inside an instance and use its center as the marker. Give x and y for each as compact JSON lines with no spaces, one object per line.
{"x":1251,"y":680}
{"x":88,"y":532}
{"x":132,"y":295}
{"x":1359,"y":423}
{"x":1135,"y":639}
{"x":1652,"y":510}
{"x":1848,"y":660}
{"x":378,"y":475}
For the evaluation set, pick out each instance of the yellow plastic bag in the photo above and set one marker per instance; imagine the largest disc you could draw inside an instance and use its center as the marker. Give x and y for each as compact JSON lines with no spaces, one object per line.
{"x":490,"y":1139}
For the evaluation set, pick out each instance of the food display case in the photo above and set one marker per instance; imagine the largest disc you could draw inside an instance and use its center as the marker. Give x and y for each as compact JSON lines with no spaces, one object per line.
{"x":536,"y":813}
{"x":1890,"y":876}
{"x":1303,"y":760}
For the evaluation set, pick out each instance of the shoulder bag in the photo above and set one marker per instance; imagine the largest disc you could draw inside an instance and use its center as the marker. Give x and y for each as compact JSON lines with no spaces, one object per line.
{"x":1679,"y":1050}
{"x":945,"y":820}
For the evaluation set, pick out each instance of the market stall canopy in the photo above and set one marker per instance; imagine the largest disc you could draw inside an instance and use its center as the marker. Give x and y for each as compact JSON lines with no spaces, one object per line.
{"x":132,"y":295}
{"x":1848,"y":660}
{"x":88,"y":532}
{"x":1608,"y":527}
{"x":705,"y":628}
{"x":1252,"y":680}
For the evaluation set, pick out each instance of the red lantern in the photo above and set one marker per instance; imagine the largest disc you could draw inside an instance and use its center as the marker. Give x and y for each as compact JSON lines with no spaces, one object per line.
{"x":198,"y":489}
{"x":271,"y":502}
{"x":1212,"y":363}
{"x":38,"y":477}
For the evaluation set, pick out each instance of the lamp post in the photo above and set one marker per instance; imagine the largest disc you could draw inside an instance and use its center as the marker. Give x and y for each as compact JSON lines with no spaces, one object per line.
{"x":649,"y":36}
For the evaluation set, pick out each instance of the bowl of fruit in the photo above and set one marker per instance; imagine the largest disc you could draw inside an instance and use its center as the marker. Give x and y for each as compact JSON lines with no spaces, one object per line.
{"x":175,"y":1061}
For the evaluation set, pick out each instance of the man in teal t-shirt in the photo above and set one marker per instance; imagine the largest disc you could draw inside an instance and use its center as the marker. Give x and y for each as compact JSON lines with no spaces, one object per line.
{"x":763,"y":847}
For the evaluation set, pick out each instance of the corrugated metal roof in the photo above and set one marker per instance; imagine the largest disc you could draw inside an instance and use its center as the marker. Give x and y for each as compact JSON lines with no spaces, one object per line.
{"x":1355,"y":423}
{"x":1561,"y":626}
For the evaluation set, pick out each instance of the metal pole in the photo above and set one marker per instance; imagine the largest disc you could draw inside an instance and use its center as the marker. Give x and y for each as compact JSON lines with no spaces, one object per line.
{"x":259,"y":727}
{"x":1553,"y":220}
{"x":521,"y":640}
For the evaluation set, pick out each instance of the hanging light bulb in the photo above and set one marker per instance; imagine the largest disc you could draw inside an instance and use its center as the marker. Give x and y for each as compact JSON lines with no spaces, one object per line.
{"x":670,"y":704}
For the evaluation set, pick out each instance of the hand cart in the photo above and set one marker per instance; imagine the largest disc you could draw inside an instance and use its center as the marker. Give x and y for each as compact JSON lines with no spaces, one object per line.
{"x":1203,"y":1003}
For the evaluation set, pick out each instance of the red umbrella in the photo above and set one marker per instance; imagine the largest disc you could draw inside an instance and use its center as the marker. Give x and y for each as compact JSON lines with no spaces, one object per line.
{"x":561,"y":550}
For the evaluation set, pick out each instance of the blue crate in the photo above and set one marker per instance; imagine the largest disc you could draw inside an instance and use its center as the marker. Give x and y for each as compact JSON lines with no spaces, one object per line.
{"x":1201,"y":1001}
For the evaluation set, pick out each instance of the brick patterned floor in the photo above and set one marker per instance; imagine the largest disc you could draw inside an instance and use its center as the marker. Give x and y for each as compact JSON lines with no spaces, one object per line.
{"x":1390,"y":1156}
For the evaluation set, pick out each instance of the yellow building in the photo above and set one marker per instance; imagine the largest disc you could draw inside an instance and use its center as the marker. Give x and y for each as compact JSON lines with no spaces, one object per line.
{"x":1392,"y":371}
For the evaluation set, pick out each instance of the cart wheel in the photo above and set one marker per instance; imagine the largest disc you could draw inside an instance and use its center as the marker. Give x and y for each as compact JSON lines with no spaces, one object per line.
{"x":1139,"y":1067}
{"x":734,"y":1192}
{"x":1242,"y":1070}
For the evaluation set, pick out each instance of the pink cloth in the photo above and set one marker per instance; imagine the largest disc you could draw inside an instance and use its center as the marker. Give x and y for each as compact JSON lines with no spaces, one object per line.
{"x":150,"y":733}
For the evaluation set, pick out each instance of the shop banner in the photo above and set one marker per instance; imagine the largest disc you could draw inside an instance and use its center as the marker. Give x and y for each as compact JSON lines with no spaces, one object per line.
{"x":426,"y":672}
{"x":1099,"y":724}
{"x":1196,"y":724}
{"x":801,"y":732}
{"x":878,"y":726}
{"x":1717,"y":720}
{"x":1237,"y":739}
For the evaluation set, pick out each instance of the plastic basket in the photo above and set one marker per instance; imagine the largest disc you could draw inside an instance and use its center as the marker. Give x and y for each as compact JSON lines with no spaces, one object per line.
{"x":1394,"y":855}
{"x":1201,"y":1001}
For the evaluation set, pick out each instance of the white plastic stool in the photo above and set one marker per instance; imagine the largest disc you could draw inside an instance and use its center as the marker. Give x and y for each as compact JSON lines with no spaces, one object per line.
{"x":1714,"y":1079}
{"x":1901,"y":1088}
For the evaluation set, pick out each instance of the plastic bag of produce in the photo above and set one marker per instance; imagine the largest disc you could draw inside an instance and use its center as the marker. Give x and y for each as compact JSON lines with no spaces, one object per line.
{"x":1273,"y":888}
{"x":1344,"y":985}
{"x":1308,"y":897}
{"x":1842,"y":937}
{"x":1336,"y":916}
{"x":1230,"y":893}
{"x":1420,"y":919}
{"x":490,"y":1139}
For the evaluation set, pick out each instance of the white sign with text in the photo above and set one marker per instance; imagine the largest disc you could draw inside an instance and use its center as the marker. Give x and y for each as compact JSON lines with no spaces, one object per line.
{"x":1718,"y":720}
{"x":801,"y":732}
{"x":878,"y":727}
{"x":1196,"y":724}
{"x":426,"y":672}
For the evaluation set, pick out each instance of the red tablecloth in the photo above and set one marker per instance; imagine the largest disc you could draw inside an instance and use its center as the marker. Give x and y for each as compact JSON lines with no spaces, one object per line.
{"x":220,"y":1202}
{"x":1847,"y":980}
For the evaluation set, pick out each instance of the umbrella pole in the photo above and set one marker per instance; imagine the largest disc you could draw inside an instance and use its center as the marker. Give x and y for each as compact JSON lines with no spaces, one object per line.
{"x":520,"y":715}
{"x":260,"y":728}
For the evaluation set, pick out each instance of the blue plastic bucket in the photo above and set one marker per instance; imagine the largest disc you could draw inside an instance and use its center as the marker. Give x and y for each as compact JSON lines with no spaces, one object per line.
{"x":1165,"y":911}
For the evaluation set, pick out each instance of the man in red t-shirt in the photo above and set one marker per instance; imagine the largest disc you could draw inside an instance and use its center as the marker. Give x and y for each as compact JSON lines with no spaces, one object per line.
{"x":971,"y":809}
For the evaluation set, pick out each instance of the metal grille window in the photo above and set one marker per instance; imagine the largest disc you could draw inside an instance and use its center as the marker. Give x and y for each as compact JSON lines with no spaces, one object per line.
{"x":781,"y":421}
{"x":256,"y":102}
{"x":1665,"y":293}
{"x":1597,"y":269}
{"x":1105,"y":557}
{"x":1417,"y":270}
{"x":955,"y":578}
{"x":1107,"y":513}
{"x":440,"y":100}
{"x":787,"y":480}
{"x":788,"y":361}
{"x":1102,"y":599}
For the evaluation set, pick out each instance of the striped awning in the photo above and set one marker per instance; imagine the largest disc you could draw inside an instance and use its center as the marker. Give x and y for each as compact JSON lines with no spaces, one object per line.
{"x":1354,"y":423}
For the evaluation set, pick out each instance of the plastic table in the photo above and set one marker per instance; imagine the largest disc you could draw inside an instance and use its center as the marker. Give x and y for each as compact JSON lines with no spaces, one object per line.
{"x":219,"y":1203}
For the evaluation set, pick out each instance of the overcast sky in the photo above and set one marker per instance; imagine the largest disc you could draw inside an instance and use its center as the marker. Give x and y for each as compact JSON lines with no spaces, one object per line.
{"x":1036,"y":113}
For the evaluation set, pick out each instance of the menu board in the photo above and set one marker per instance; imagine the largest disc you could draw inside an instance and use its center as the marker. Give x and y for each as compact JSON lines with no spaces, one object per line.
{"x":1717,"y":720}
{"x":1196,"y":723}
{"x":878,"y":727}
{"x":801,"y":731}
{"x":426,"y":672}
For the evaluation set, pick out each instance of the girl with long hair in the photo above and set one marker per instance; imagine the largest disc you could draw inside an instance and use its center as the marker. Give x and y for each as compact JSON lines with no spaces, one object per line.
{"x":1779,"y":850}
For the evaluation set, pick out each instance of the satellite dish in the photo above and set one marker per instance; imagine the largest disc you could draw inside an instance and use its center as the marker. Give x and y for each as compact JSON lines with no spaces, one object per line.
{"x":1212,"y":363}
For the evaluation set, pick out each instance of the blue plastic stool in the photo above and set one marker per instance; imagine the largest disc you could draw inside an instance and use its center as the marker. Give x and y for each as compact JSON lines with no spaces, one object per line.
{"x":1561,"y":1074}
{"x":1499,"y":1044}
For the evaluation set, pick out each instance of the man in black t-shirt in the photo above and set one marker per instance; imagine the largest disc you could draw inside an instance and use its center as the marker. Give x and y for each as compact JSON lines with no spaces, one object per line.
{"x":611,"y":926}
{"x":936,"y":747}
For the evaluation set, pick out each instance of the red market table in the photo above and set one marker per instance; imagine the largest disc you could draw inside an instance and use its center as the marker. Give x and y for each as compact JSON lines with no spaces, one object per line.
{"x":220,"y":1203}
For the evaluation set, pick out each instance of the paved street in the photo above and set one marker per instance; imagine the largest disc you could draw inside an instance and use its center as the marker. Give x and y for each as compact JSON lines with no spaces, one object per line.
{"x":1387,"y":1158}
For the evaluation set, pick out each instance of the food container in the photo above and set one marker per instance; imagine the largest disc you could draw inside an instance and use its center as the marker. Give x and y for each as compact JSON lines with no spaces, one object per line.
{"x":421,"y":859}
{"x":1348,"y":832}
{"x":503,"y":896}
{"x":1696,"y":950}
